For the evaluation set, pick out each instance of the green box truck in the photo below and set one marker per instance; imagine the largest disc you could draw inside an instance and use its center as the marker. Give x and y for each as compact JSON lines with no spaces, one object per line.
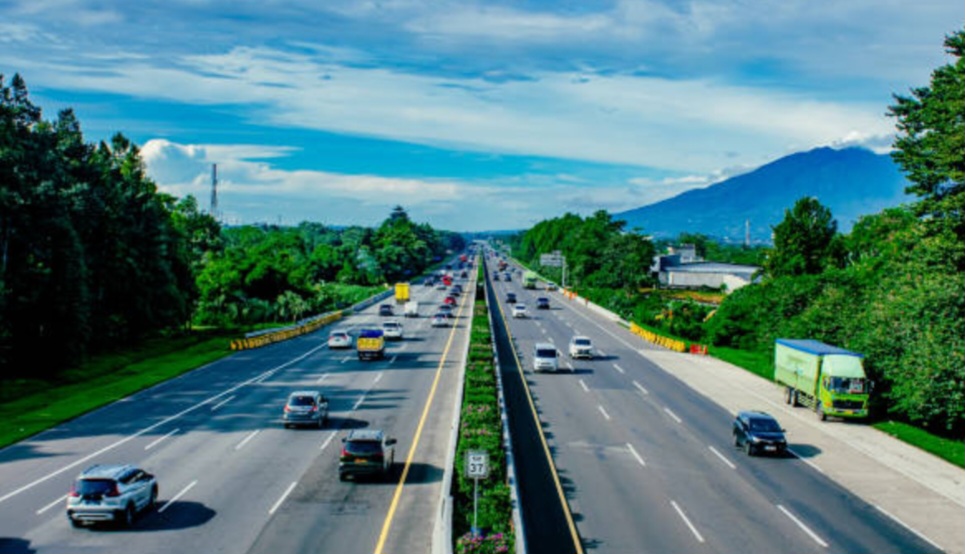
{"x":529,"y":280}
{"x":828,"y":379}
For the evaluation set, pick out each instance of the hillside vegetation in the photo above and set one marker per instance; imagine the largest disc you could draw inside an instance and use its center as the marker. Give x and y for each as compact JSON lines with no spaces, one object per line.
{"x":892,"y":289}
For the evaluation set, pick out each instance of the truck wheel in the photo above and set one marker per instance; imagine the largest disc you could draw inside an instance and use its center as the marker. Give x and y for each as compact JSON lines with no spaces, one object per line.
{"x":787,"y":395}
{"x":821,"y":415}
{"x":794,"y":400}
{"x":748,"y":448}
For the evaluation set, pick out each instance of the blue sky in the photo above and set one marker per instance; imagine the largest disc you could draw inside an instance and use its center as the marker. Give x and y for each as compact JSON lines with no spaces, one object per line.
{"x":472,"y":115}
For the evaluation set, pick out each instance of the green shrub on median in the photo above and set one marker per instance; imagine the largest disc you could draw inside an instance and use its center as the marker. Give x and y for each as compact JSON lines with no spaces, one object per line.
{"x":481,"y":429}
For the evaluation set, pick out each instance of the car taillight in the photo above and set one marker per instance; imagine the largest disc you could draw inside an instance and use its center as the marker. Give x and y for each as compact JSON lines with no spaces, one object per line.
{"x":287,"y":408}
{"x":313,"y":409}
{"x":344,"y":453}
{"x":73,"y":491}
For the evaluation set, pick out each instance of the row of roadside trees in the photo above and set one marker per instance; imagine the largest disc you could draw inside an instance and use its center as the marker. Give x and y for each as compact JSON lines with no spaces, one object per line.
{"x":94,"y":257}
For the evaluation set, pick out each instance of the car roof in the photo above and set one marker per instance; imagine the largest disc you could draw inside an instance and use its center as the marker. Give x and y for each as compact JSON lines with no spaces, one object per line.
{"x":580,"y":337}
{"x":365,"y":434}
{"x":106,"y":471}
{"x":542,"y":345}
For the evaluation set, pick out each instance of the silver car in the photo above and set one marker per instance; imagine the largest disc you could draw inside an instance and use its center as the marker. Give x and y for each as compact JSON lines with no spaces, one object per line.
{"x":305,"y":407}
{"x":110,"y":494}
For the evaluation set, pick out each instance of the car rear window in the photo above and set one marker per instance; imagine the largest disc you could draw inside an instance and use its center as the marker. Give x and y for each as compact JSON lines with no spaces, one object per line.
{"x":582,"y":342}
{"x":301,"y":401}
{"x":545,"y":353}
{"x":766,"y":425}
{"x":94,"y":486}
{"x":363,"y":447}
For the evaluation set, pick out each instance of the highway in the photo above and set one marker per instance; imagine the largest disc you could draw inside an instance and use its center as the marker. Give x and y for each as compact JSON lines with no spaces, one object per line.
{"x":647,"y":464}
{"x":232,"y":479}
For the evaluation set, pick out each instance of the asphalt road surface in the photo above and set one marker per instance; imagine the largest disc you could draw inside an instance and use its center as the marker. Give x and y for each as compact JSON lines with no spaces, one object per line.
{"x":647,"y":464}
{"x":232,"y":479}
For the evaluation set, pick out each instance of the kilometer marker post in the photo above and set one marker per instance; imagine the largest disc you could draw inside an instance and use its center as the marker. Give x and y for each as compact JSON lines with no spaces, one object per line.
{"x":477,"y":467}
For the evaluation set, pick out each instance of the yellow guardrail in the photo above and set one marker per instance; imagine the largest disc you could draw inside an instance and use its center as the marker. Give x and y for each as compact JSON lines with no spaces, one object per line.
{"x":666,"y":342}
{"x":285,"y":334}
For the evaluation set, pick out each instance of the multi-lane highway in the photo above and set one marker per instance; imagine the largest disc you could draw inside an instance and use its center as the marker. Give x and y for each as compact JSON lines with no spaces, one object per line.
{"x":232,"y":479}
{"x":648,"y":465}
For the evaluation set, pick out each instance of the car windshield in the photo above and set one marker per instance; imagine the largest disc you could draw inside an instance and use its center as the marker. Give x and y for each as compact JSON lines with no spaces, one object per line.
{"x":301,"y":401}
{"x":581,"y":342}
{"x":363,"y":447}
{"x":765,"y":425}
{"x":545,"y":353}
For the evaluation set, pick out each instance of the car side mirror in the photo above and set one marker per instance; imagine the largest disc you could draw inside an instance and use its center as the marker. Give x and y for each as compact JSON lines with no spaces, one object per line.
{"x":389,"y":442}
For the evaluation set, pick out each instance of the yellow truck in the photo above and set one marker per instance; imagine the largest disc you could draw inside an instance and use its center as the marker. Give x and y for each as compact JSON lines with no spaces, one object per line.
{"x":401,"y":293}
{"x":370,"y":344}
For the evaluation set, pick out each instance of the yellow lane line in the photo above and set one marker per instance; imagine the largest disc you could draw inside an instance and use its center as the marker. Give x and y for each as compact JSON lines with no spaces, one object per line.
{"x":539,"y":427}
{"x":387,"y":525}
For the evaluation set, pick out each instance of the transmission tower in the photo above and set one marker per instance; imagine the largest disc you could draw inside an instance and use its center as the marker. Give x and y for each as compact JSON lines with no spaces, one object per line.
{"x":214,"y":191}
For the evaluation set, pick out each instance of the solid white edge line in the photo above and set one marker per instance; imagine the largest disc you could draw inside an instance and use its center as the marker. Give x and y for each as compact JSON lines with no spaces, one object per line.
{"x":392,"y":360}
{"x":683,"y":516}
{"x":618,"y":368}
{"x":585,"y":388}
{"x":222,"y":403}
{"x":800,"y":524}
{"x":805,"y":460}
{"x":635,"y":455}
{"x":250,"y":436}
{"x":640,"y":388}
{"x":378,"y":378}
{"x":158,"y":440}
{"x":345,"y":359}
{"x":322,"y":378}
{"x":909,"y":527}
{"x":358,"y":403}
{"x":602,"y":411}
{"x":283,"y":497}
{"x":722,"y":458}
{"x":328,"y":441}
{"x":52,"y":504}
{"x":673,"y":415}
{"x":177,"y":496}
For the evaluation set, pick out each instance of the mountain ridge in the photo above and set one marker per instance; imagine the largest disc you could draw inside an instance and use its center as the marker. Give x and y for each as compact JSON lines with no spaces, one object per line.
{"x":851,"y":182}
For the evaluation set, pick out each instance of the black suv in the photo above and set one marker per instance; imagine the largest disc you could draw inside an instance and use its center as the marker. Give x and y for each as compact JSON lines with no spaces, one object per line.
{"x":366,"y":452}
{"x":386,"y":310}
{"x":542,"y":303}
{"x":510,"y":297}
{"x":758,"y":432}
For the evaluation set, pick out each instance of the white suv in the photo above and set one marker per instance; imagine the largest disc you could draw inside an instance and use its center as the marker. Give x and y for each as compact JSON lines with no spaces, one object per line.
{"x":581,"y":347}
{"x":392,"y":329}
{"x":110,"y":493}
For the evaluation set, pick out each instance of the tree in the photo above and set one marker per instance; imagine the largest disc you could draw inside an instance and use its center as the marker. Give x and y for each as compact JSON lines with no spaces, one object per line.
{"x":804,"y":242}
{"x":931,"y":141}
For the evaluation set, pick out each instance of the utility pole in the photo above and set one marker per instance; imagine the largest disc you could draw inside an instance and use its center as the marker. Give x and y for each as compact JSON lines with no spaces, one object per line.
{"x":214,"y":191}
{"x":747,"y":233}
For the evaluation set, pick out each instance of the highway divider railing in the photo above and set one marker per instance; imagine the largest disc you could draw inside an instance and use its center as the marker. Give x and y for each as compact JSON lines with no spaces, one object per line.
{"x":666,"y":342}
{"x":272,"y":336}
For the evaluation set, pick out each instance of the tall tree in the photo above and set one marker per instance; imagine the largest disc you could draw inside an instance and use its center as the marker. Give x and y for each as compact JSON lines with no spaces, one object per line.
{"x":931,"y":140}
{"x":804,"y":242}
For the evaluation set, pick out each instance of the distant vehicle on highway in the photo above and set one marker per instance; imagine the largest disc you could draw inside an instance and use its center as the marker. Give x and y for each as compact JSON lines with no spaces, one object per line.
{"x":759,"y":433}
{"x":451,"y":300}
{"x":305,"y":407}
{"x":110,"y":493}
{"x":440,"y":320}
{"x":386,"y":310}
{"x":366,"y":452}
{"x":339,"y":339}
{"x":581,"y":347}
{"x":545,"y":357}
{"x":411,"y":308}
{"x":392,"y":329}
{"x":550,"y":286}
{"x":542,"y":303}
{"x":510,"y":297}
{"x":370,"y":344}
{"x":519,"y":310}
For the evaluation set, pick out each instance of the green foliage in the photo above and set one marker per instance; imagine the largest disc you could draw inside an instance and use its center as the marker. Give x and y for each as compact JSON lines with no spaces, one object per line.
{"x":804,"y":242}
{"x":599,"y":253}
{"x":91,"y":255}
{"x":952,"y":451}
{"x":931,"y":139}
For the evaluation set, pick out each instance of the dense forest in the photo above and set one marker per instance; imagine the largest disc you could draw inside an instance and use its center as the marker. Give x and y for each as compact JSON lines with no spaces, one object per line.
{"x":893,"y":289}
{"x":93,"y":256}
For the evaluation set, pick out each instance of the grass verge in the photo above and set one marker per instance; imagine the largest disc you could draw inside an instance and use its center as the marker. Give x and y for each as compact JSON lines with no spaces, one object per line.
{"x":26,"y":407}
{"x":952,"y":451}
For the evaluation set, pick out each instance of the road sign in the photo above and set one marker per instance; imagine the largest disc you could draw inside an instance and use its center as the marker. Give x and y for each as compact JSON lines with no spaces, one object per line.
{"x":551,"y":260}
{"x":477,"y":464}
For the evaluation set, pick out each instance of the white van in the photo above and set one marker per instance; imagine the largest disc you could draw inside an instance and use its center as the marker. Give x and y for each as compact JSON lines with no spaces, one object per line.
{"x":545,"y":357}
{"x":411,"y":309}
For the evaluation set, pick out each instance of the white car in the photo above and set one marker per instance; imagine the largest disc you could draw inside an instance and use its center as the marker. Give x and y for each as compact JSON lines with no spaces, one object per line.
{"x":440,"y":320}
{"x":392,"y":329}
{"x":519,"y":310}
{"x":581,"y":347}
{"x":339,"y":339}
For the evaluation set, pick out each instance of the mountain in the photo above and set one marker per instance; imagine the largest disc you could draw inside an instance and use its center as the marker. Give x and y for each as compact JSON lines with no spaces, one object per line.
{"x":851,"y":182}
